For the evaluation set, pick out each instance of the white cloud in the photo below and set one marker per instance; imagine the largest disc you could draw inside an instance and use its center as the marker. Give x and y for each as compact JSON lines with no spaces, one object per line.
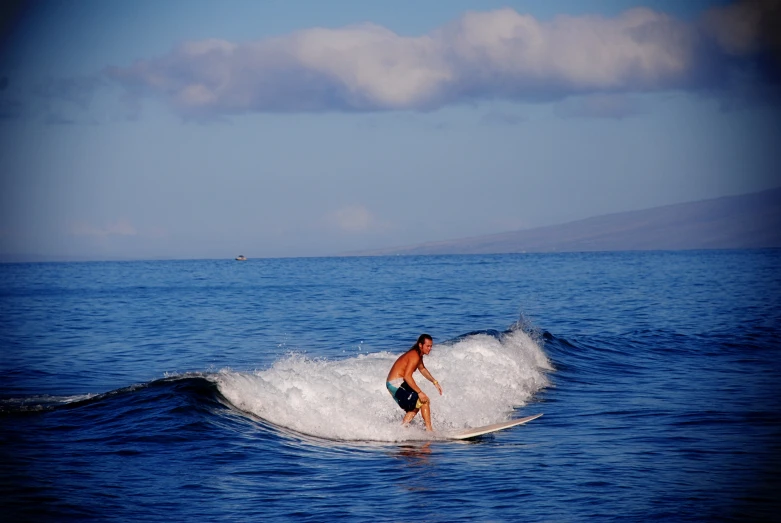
{"x":118,"y":228}
{"x":481,"y":55}
{"x":351,"y":219}
{"x":574,"y":54}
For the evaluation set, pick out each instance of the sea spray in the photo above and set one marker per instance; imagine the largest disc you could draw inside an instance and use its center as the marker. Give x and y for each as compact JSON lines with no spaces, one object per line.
{"x":484,"y":378}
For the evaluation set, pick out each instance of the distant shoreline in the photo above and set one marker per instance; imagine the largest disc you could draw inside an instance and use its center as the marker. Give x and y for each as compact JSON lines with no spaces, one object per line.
{"x":744,"y":222}
{"x":749,"y":221}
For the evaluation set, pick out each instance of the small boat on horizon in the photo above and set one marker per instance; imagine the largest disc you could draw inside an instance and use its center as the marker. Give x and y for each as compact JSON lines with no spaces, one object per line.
{"x":241,"y":257}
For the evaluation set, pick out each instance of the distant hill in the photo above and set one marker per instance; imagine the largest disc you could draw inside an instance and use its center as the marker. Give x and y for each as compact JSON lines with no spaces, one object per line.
{"x":734,"y":222}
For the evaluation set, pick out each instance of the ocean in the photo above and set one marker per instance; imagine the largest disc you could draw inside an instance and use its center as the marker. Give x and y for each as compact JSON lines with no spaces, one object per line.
{"x":218,"y":390}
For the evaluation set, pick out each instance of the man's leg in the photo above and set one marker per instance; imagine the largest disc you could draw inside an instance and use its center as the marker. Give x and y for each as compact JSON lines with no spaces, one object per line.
{"x":408,"y":416}
{"x":426,"y":412}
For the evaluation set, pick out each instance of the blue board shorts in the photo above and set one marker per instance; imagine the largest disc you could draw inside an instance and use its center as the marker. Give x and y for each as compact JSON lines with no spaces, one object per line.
{"x":406,"y":398}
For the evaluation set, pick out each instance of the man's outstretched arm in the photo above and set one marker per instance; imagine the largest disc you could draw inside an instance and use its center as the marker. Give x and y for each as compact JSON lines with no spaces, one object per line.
{"x":426,"y":374}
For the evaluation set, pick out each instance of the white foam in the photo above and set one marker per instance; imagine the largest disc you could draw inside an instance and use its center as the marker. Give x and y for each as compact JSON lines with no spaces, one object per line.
{"x":483,"y":379}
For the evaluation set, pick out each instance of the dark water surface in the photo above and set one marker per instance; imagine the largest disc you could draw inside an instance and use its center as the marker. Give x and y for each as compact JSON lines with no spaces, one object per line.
{"x":222,"y":390}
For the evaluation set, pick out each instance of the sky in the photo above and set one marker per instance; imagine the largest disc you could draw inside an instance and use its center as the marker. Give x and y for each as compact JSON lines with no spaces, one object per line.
{"x":207,"y":129}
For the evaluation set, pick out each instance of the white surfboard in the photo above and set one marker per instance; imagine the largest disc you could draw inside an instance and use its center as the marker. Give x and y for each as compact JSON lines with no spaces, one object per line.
{"x":479,"y":431}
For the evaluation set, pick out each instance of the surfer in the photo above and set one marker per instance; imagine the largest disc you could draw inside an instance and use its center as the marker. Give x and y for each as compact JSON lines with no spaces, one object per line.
{"x":402,"y":386}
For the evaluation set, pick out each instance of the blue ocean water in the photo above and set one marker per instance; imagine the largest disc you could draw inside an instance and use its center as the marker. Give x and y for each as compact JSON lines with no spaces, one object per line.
{"x":223,"y":390}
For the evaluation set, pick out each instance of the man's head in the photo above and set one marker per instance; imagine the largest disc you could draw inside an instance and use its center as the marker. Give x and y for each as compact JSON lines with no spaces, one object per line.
{"x":425,"y":342}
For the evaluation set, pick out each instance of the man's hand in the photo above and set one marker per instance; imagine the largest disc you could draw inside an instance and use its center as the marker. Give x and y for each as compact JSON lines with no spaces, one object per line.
{"x":439,"y":388}
{"x":422,"y":397}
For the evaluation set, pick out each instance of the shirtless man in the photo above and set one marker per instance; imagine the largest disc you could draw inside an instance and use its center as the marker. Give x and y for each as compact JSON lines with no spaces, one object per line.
{"x":402,"y":386}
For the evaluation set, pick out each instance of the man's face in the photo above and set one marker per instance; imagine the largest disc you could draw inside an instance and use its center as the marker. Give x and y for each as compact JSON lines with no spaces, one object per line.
{"x":426,"y":346}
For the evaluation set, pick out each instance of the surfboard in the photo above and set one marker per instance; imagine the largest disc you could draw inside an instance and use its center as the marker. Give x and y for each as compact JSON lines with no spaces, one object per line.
{"x":479,"y":431}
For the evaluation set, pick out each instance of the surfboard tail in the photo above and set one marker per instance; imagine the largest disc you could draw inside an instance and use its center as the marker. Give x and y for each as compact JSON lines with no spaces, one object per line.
{"x":487,"y":429}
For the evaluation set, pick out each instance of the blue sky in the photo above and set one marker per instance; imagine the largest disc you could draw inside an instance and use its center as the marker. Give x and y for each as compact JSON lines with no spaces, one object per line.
{"x":138,"y":130}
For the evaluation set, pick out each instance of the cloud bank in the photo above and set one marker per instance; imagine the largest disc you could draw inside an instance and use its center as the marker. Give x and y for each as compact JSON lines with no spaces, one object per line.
{"x":499,"y":54}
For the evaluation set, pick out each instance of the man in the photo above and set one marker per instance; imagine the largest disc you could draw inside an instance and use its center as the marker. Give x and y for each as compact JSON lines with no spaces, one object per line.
{"x":402,"y":386}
